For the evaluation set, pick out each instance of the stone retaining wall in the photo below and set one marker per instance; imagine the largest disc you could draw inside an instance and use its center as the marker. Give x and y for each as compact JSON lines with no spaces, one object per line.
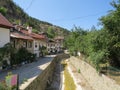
{"x":98,"y":82}
{"x":45,"y":77}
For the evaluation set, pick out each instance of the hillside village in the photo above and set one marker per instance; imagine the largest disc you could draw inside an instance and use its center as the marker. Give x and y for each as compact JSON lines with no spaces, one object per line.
{"x":17,"y":37}
{"x":37,"y":55}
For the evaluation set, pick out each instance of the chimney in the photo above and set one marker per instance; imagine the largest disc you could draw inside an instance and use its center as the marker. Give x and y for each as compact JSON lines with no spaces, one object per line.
{"x":29,"y":29}
{"x":17,"y":27}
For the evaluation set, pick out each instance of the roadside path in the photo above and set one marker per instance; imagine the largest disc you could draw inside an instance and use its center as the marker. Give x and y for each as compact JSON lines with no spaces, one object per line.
{"x":29,"y":72}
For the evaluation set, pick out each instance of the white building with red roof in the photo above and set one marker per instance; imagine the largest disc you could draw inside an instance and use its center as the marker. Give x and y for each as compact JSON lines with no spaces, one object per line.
{"x":59,"y":43}
{"x":55,"y":45}
{"x":5,"y":27}
{"x":38,"y":40}
{"x":22,"y":37}
{"x":19,"y":40}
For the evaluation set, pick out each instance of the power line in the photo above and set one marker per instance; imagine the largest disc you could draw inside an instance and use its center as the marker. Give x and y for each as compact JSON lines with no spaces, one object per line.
{"x":27,"y":8}
{"x":76,"y":18}
{"x":90,"y":15}
{"x":29,"y":5}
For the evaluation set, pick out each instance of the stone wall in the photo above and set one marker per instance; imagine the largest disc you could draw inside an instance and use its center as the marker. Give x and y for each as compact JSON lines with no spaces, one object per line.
{"x":45,"y":77}
{"x":98,"y":82}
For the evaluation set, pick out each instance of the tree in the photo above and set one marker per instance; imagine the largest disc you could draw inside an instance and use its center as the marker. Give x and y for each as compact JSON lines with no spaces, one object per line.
{"x":50,"y":32}
{"x":111,"y":23}
{"x":101,"y":46}
{"x":92,"y":44}
{"x":3,"y":10}
{"x":93,"y":28}
{"x":35,"y":31}
{"x":73,"y":41}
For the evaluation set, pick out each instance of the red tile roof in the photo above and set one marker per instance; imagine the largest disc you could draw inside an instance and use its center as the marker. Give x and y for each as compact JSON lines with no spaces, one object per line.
{"x":20,"y":36}
{"x":33,"y":35}
{"x":4,"y":22}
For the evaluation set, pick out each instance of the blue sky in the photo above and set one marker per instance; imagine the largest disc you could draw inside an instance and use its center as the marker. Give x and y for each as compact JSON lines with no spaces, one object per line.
{"x":67,"y":13}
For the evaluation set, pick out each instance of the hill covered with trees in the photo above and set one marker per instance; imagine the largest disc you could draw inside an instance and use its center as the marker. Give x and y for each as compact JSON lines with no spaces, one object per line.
{"x":15,"y":14}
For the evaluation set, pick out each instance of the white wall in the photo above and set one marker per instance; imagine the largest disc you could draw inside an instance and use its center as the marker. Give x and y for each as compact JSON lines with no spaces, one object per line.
{"x":36,"y":49}
{"x":4,"y":36}
{"x":36,"y":43}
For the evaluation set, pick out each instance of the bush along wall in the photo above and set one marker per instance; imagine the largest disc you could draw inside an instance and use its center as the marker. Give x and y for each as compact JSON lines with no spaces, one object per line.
{"x":7,"y":52}
{"x":22,"y":56}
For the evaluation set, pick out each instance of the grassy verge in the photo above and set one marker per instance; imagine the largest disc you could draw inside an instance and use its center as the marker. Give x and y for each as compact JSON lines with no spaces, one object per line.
{"x":69,"y":82}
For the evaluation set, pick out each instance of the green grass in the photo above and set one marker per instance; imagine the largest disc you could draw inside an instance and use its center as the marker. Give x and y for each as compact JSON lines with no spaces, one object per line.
{"x":69,"y":82}
{"x":79,"y":71}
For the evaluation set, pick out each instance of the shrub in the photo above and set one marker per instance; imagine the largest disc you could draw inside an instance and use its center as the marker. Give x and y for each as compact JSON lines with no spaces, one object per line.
{"x":79,"y":71}
{"x":3,"y":86}
{"x":43,"y":50}
{"x":30,"y":57}
{"x":3,"y":10}
{"x":97,"y":58}
{"x":22,"y":56}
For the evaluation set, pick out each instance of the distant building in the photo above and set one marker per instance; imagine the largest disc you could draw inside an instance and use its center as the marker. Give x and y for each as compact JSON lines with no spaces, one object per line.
{"x":38,"y":41}
{"x":55,"y":45}
{"x":5,"y":27}
{"x":51,"y":46}
{"x":59,"y":43}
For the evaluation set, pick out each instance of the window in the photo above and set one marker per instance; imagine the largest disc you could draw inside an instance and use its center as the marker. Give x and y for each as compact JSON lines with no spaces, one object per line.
{"x":13,"y":43}
{"x":41,"y":45}
{"x":35,"y":54}
{"x":30,"y":44}
{"x":35,"y":44}
{"x":25,"y":44}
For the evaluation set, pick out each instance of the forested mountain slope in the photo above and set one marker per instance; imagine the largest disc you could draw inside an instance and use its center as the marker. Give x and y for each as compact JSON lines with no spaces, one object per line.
{"x":15,"y":14}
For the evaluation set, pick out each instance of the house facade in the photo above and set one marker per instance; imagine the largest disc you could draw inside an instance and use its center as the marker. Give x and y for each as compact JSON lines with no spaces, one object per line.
{"x":19,"y":40}
{"x":38,"y":40}
{"x":5,"y":27}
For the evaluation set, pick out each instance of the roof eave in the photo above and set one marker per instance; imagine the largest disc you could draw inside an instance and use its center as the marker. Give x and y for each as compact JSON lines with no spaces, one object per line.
{"x":5,"y":26}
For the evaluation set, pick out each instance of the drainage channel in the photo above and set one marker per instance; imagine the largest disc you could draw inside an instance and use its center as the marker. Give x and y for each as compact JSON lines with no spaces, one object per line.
{"x":55,"y":83}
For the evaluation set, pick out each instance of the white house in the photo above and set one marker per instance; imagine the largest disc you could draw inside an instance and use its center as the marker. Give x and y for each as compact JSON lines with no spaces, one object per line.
{"x":55,"y":45}
{"x":59,"y":43}
{"x":38,"y":40}
{"x":51,"y":46}
{"x":5,"y":26}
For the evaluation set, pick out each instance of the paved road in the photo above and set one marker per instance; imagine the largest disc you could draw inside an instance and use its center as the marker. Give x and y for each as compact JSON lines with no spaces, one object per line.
{"x":31,"y":70}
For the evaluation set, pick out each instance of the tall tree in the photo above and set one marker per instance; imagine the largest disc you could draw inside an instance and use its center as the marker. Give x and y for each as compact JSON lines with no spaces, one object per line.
{"x":3,"y":10}
{"x":111,"y":23}
{"x":51,"y":33}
